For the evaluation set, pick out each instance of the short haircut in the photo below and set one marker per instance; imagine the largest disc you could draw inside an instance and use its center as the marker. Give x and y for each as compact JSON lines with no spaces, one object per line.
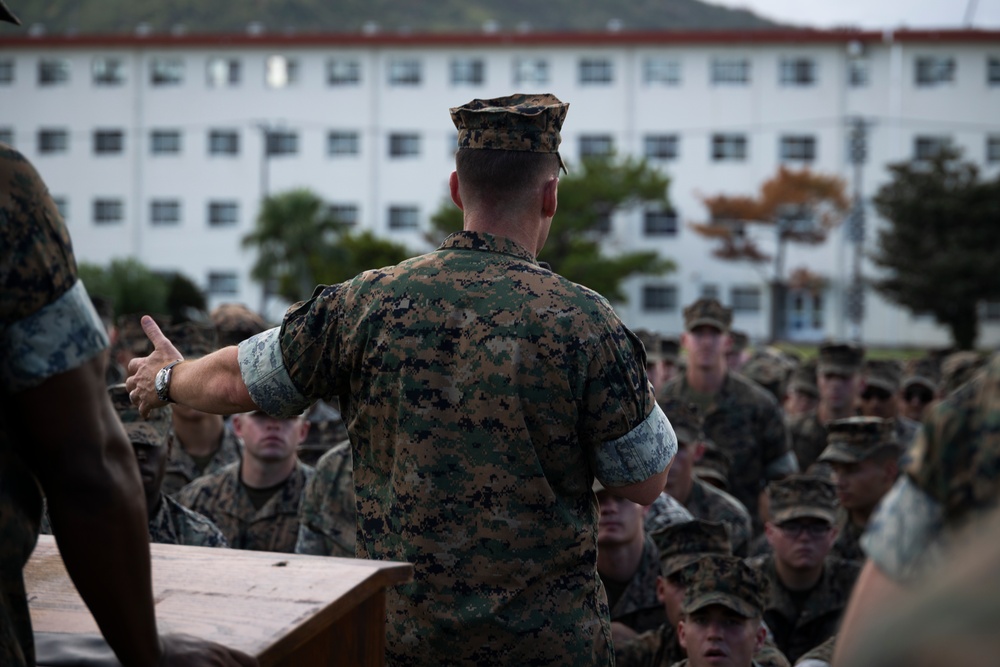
{"x":495,"y":175}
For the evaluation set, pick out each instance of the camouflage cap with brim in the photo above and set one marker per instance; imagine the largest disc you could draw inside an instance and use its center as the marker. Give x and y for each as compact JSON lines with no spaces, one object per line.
{"x":670,"y":349}
{"x":839,"y":359}
{"x":855,"y":439}
{"x":803,"y":380}
{"x":708,"y":312}
{"x":885,"y":374}
{"x":193,"y":339}
{"x":925,"y":372}
{"x":685,"y":418}
{"x":681,"y":544}
{"x":519,"y":122}
{"x":7,"y":15}
{"x":722,"y":580}
{"x":714,"y":464}
{"x":740,"y":340}
{"x":152,"y":430}
{"x":802,"y":496}
{"x":650,"y":343}
{"x":234,"y":323}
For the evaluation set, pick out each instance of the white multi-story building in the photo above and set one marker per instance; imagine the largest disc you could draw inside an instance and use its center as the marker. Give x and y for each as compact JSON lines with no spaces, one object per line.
{"x":154,"y":145}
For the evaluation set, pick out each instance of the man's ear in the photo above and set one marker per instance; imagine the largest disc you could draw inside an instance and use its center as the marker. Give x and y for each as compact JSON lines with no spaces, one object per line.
{"x":759,"y":639}
{"x":550,"y":197}
{"x":682,"y":634}
{"x":453,"y":187}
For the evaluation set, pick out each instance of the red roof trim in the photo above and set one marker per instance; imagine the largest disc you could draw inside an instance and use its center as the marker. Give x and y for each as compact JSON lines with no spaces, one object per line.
{"x":552,"y":39}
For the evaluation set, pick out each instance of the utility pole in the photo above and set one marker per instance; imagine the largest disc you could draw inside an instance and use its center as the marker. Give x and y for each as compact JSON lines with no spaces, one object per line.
{"x":265,"y":129}
{"x":857,"y":155}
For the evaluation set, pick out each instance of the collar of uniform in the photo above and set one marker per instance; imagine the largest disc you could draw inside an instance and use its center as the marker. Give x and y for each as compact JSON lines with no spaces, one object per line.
{"x":484,"y":242}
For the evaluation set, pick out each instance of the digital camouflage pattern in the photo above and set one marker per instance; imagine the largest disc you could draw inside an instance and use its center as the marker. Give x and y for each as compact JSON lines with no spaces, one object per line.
{"x":840,"y":358}
{"x":48,"y":326}
{"x":153,"y":431}
{"x":924,"y":371}
{"x":856,"y":438}
{"x":803,"y":379}
{"x":686,"y":420}
{"x":665,"y":511}
{"x":223,"y":499}
{"x":708,"y":312}
{"x":798,"y":629}
{"x":885,"y":374}
{"x":768,"y":371}
{"x":745,"y":422}
{"x":638,"y":607}
{"x":234,"y":323}
{"x":482,"y":394}
{"x":193,"y":339}
{"x":847,"y":546}
{"x":958,"y":368}
{"x":328,"y":523}
{"x":661,"y":648}
{"x":722,"y":580}
{"x":799,"y":496}
{"x":175,"y":524}
{"x":182,"y":469}
{"x":808,"y":435}
{"x":681,"y":544}
{"x":953,"y":478}
{"x":711,"y":504}
{"x":514,"y":123}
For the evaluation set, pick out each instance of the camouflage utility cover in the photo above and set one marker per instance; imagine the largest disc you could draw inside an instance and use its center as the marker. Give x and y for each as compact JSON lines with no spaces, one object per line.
{"x":684,"y":543}
{"x":638,"y":607}
{"x":48,"y":326}
{"x":176,"y":524}
{"x":856,"y":438}
{"x":193,"y":339}
{"x":712,"y":504}
{"x":482,"y":393}
{"x":803,"y":379}
{"x":808,"y":435}
{"x":329,"y":517}
{"x":708,"y":312}
{"x":799,"y":496}
{"x":884,"y":374}
{"x":840,"y":358}
{"x":152,"y":431}
{"x":234,"y":323}
{"x":514,"y":123}
{"x":685,"y":419}
{"x":722,"y":580}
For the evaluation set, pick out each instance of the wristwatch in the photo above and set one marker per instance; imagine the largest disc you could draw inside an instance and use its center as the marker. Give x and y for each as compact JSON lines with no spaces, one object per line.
{"x":162,"y":382}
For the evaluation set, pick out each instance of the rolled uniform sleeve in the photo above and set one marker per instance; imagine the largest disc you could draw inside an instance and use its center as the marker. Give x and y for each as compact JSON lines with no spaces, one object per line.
{"x":639,"y":454}
{"x":263,"y":369}
{"x":903,"y":531}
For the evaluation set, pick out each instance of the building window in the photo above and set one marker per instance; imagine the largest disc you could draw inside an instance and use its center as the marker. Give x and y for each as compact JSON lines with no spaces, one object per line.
{"x":166,"y":71}
{"x":596,"y":71}
{"x":343,"y":72}
{"x":7,"y":136}
{"x":344,"y":214}
{"x":660,"y":146}
{"x":223,"y":213}
{"x":108,"y":72}
{"x":282,"y":142}
{"x":797,"y":72}
{"x":404,"y":72}
{"x":468,"y":72}
{"x":731,"y":71}
{"x":342,"y":143}
{"x":531,"y":70}
{"x":858,"y":72}
{"x":109,"y":142}
{"x":53,"y":71}
{"x":596,"y":145}
{"x":62,"y":205}
{"x":6,"y":72}
{"x":165,"y":142}
{"x":992,"y":149}
{"x":935,"y":70}
{"x":729,"y":147}
{"x":223,"y":72}
{"x":797,"y":148}
{"x":662,"y":71}
{"x":710,"y":291}
{"x":660,"y":223}
{"x":404,"y":145}
{"x":165,"y":211}
{"x":928,"y":148}
{"x":53,"y":141}
{"x":745,"y":299}
{"x":223,"y":142}
{"x":659,"y":298}
{"x":404,"y":217}
{"x":108,"y":211}
{"x":223,"y":283}
{"x":281,"y":72}
{"x":992,"y":72}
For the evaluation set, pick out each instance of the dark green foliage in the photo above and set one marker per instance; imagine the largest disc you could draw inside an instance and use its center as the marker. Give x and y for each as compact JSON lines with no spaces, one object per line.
{"x":183,"y":297}
{"x":941,"y":248}
{"x":115,"y":16}
{"x":588,"y":195}
{"x":136,"y":290}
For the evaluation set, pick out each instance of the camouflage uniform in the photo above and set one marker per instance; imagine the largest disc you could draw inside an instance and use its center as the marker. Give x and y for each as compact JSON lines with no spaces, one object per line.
{"x":182,"y":469}
{"x":848,"y":543}
{"x":953,"y":479}
{"x":482,"y":394}
{"x":820,"y":655}
{"x":638,"y":607}
{"x":711,"y":504}
{"x":223,"y":499}
{"x":665,"y":511}
{"x":175,"y":524}
{"x":48,"y":326}
{"x":328,"y":523}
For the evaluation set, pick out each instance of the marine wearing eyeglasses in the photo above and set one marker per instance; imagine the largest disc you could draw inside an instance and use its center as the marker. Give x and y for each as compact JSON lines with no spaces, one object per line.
{"x":882,"y":381}
{"x":808,"y":588}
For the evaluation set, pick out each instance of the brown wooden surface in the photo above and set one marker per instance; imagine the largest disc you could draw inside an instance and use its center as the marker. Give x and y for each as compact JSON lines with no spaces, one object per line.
{"x":282,"y":608}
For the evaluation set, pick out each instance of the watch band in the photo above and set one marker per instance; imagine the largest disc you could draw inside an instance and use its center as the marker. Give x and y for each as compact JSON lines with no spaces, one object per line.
{"x":163,"y":391}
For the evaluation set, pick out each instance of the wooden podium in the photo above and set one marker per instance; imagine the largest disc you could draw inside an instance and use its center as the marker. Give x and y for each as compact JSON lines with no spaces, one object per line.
{"x":283,"y":608}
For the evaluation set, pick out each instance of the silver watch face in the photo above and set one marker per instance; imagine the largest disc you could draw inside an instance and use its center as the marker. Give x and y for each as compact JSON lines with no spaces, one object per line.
{"x":160,"y":384}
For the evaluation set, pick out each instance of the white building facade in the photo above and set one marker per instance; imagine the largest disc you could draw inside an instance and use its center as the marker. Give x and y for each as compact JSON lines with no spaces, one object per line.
{"x":154,"y":145}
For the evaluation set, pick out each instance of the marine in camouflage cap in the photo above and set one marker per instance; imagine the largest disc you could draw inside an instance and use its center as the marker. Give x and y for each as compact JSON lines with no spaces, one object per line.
{"x":803,"y":379}
{"x":857,"y":438}
{"x":800,"y":496}
{"x":685,"y":418}
{"x":234,"y":323}
{"x":670,"y":348}
{"x":193,"y":339}
{"x":885,"y":374}
{"x":650,"y":343}
{"x":717,"y":579}
{"x":840,"y":358}
{"x":921,"y":378}
{"x":708,"y":312}
{"x":684,"y":543}
{"x":519,"y":122}
{"x":714,"y":466}
{"x":152,"y":431}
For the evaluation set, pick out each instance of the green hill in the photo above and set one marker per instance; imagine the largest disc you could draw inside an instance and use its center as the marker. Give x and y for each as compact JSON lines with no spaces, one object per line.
{"x":118,"y":16}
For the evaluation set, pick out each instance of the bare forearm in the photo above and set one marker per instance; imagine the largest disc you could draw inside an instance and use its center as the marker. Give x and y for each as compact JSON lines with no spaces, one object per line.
{"x":873,"y":591}
{"x":212,"y":384}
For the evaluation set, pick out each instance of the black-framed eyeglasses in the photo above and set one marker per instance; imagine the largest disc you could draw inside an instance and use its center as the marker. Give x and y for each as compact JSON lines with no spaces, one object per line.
{"x":876,"y":394}
{"x":922,"y":394}
{"x":811,"y":528}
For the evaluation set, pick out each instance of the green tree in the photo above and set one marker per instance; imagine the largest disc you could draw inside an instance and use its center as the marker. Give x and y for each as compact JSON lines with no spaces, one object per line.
{"x":132,"y":287}
{"x":941,"y":246}
{"x":301,"y":244}
{"x":588,"y":196}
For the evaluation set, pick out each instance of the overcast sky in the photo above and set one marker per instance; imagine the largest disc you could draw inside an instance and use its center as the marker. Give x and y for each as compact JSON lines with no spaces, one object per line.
{"x":877,"y":14}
